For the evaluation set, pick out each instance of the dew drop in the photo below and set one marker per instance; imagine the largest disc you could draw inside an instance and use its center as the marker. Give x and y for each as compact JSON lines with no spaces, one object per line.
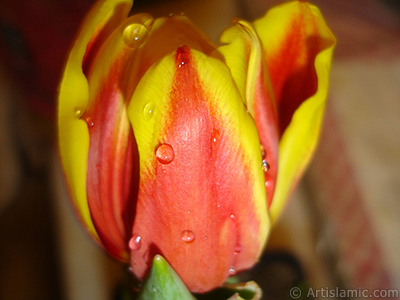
{"x":135,"y":242}
{"x":135,"y":35}
{"x":165,"y":153}
{"x":78,"y":113}
{"x":237,"y":250}
{"x":130,"y":270}
{"x":98,"y":167}
{"x":171,"y":15}
{"x":187,"y":236}
{"x":232,"y":216}
{"x":89,"y":122}
{"x":215,"y":135}
{"x":148,"y":110}
{"x":181,"y":64}
{"x":265,"y":165}
{"x":232,"y":271}
{"x":263,"y":151}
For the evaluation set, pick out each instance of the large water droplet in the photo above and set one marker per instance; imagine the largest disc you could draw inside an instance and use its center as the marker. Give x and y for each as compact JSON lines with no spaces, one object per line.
{"x":232,"y":271}
{"x":187,"y":236}
{"x":215,"y":135}
{"x":135,"y":35}
{"x":165,"y":153}
{"x":148,"y":110}
{"x":265,"y":165}
{"x":135,"y":242}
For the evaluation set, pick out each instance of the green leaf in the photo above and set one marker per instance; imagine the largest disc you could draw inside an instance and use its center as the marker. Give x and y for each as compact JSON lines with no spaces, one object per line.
{"x":163,"y":283}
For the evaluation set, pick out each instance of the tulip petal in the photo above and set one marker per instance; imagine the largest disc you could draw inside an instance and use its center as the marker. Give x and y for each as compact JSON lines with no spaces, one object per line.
{"x":113,"y":170}
{"x":298,"y":46}
{"x":169,"y":33}
{"x":113,"y":75}
{"x":201,"y":193}
{"x":244,"y":56}
{"x":73,"y":98}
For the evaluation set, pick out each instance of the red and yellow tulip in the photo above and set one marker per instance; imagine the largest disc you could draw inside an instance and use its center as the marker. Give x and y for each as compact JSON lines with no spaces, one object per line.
{"x":176,"y":146}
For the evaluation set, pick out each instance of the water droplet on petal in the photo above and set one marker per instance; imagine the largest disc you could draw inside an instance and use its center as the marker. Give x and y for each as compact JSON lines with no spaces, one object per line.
{"x":265,"y":165}
{"x":165,"y":153}
{"x":98,"y":167}
{"x":135,"y":35}
{"x":187,"y":236}
{"x":181,"y":64}
{"x":78,"y":113}
{"x":171,"y":15}
{"x":232,"y":271}
{"x":232,"y":216}
{"x":135,"y":242}
{"x":148,"y":110}
{"x":263,"y":151}
{"x":238,"y":249}
{"x":89,"y":122}
{"x":215,"y":135}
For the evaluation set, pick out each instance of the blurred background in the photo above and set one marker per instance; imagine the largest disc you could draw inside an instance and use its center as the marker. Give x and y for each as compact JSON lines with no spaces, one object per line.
{"x":341,"y":226}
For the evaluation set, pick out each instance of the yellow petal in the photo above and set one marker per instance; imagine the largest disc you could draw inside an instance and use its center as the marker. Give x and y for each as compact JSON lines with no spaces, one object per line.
{"x":298,"y":46}
{"x":73,"y":99}
{"x":243,"y":53}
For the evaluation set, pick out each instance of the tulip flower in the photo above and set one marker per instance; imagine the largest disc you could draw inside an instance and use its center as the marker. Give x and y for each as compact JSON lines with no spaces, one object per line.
{"x":174,"y":145}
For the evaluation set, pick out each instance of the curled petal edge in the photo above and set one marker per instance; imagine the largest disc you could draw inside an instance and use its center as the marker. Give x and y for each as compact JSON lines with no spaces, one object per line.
{"x":300,"y":139}
{"x":72,"y":101}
